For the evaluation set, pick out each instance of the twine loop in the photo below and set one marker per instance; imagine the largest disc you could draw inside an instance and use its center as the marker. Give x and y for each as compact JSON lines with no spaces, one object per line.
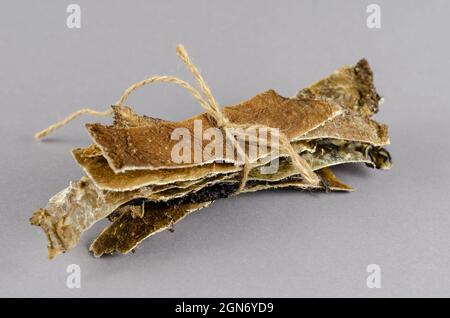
{"x":211,"y":107}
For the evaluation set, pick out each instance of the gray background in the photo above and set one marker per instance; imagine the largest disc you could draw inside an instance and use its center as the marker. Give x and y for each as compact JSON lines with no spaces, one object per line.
{"x":275,"y":243}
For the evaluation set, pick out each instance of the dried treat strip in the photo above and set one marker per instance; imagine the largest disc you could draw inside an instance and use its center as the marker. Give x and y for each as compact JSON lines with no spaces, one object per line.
{"x":149,"y":147}
{"x":100,"y":172}
{"x":127,"y":230}
{"x":97,"y":168}
{"x":350,"y":126}
{"x":352,"y":87}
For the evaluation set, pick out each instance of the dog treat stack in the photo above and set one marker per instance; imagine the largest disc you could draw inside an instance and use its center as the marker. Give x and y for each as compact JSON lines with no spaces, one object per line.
{"x":133,"y":179}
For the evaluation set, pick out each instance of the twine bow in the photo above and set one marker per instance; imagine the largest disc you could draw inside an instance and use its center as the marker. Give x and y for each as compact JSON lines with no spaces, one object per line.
{"x":211,"y":107}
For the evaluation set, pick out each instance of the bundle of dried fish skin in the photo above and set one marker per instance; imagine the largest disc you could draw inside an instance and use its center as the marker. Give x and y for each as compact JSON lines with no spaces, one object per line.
{"x":132,"y":179}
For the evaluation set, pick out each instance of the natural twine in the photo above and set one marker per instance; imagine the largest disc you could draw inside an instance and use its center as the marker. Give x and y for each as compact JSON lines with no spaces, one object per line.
{"x":211,"y":107}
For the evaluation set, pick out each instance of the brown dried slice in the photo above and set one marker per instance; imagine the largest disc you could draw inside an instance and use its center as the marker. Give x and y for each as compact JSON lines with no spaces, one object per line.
{"x":150,"y":146}
{"x":97,"y":168}
{"x":129,"y":230}
{"x":105,"y":178}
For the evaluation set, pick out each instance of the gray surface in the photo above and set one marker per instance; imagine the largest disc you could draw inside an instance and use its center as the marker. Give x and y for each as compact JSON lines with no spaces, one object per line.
{"x":277,"y":243}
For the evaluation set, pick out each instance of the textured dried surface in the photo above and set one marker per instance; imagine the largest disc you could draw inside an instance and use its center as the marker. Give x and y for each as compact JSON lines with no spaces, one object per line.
{"x":351,"y":126}
{"x":352,"y":87}
{"x":334,"y":152}
{"x":97,"y":168}
{"x":127,"y":230}
{"x":75,"y":209}
{"x":150,"y":146}
{"x":133,"y":181}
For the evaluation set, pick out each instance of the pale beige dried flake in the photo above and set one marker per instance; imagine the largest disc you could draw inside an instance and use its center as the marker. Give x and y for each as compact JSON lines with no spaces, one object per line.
{"x":74,"y":210}
{"x":352,"y":87}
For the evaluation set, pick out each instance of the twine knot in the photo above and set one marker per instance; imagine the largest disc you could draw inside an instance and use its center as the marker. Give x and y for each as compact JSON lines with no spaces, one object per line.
{"x":211,"y":107}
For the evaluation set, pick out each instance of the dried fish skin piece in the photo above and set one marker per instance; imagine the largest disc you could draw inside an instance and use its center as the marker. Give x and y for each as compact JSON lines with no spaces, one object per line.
{"x":329,"y":180}
{"x":330,"y":152}
{"x":105,"y":178}
{"x":128,"y":148}
{"x":352,"y":87}
{"x":126,"y":231}
{"x":335,"y":152}
{"x":97,"y":168}
{"x":351,"y":127}
{"x":75,"y":209}
{"x":126,"y":237}
{"x":175,"y":192}
{"x":125,"y":117}
{"x":157,"y":217}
